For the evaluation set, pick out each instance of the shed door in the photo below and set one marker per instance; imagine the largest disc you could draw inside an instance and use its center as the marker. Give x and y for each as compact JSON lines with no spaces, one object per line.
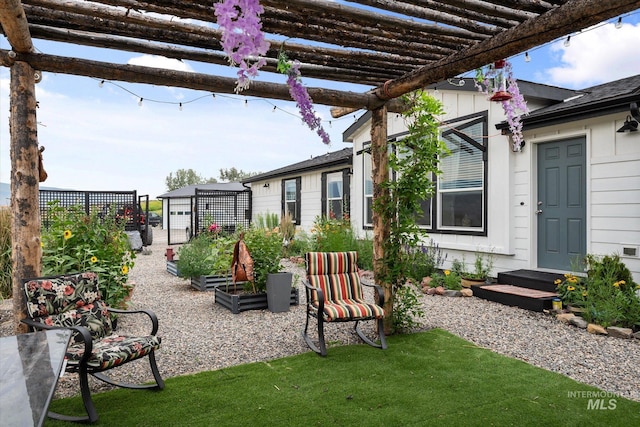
{"x":561,"y":210}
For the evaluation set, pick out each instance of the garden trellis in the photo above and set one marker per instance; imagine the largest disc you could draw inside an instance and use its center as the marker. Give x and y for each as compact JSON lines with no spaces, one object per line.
{"x":394,"y":47}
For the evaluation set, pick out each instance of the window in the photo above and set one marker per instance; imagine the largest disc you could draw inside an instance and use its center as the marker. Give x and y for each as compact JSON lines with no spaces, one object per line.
{"x":368,"y":189}
{"x":291,"y":198}
{"x":461,"y":189}
{"x":335,"y":194}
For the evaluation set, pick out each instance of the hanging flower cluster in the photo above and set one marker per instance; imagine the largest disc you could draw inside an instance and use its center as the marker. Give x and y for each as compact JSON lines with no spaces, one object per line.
{"x":301,"y":96}
{"x":514,"y":107}
{"x":242,"y":37}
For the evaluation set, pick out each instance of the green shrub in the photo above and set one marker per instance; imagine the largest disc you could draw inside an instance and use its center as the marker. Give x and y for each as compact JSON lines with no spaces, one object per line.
{"x":424,"y":260}
{"x":6,"y":265}
{"x":300,"y":244}
{"x":333,"y":235}
{"x":265,"y":247}
{"x":206,"y":254}
{"x":407,"y":308}
{"x":76,"y":242}
{"x":365,"y":254}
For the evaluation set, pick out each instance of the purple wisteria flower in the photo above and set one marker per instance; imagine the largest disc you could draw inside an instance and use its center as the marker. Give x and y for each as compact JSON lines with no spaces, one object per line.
{"x":242,"y":37}
{"x":303,"y":101}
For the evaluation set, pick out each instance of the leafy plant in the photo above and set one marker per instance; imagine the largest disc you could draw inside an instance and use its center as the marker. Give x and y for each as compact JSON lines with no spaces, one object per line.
{"x":76,"y":242}
{"x":333,"y":235}
{"x":482,"y":266}
{"x":265,"y":247}
{"x":448,"y":279}
{"x":424,"y":260}
{"x":206,"y":254}
{"x":407,"y":308}
{"x":6,"y":263}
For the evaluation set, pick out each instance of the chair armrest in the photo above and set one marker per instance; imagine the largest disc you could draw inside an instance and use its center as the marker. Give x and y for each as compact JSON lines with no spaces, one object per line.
{"x":319,"y":292}
{"x":149,"y":313}
{"x":82,"y":332}
{"x":378,"y":290}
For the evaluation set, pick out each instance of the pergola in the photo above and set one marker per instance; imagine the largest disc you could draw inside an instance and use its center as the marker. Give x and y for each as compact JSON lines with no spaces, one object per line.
{"x":393,"y":46}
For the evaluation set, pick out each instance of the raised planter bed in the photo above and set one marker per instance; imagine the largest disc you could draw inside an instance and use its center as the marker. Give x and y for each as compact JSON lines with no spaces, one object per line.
{"x":234,"y":298}
{"x":172,"y":268}
{"x":209,"y":283}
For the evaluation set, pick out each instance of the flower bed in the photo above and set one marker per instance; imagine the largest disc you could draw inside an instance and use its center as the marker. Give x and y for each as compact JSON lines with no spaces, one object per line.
{"x":236,"y":299}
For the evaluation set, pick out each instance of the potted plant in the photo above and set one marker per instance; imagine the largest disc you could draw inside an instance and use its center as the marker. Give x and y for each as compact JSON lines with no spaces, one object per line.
{"x":265,"y":246}
{"x":482,"y":267}
{"x":206,"y":260}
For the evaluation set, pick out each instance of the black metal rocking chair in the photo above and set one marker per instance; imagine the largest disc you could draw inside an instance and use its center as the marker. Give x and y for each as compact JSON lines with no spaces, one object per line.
{"x":334,"y":294}
{"x":73,"y":301}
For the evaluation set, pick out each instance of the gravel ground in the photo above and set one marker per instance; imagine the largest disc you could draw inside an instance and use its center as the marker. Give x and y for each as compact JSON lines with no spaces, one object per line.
{"x":198,"y":335}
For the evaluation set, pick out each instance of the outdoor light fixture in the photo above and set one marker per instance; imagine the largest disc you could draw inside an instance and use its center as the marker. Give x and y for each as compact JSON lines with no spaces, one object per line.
{"x":629,"y":125}
{"x":500,"y":83}
{"x":266,"y":185}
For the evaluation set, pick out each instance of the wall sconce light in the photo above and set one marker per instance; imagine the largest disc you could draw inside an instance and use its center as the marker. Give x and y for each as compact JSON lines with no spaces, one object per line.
{"x":629,"y":125}
{"x":266,"y":185}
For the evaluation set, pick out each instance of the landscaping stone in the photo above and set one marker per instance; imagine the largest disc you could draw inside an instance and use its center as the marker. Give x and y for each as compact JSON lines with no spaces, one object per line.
{"x":636,"y":335}
{"x":617,"y":332}
{"x":565,"y":317}
{"x":426,"y":282}
{"x":430,"y":291}
{"x":466,"y":292}
{"x":452,"y":293}
{"x":578,"y":322}
{"x":440,"y":290}
{"x":596,"y":329}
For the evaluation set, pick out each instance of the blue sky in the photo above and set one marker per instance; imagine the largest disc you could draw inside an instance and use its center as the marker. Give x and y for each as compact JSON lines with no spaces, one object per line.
{"x":98,"y":138}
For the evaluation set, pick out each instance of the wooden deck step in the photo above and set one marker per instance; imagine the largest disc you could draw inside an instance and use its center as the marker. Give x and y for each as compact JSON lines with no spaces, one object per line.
{"x":526,"y":298}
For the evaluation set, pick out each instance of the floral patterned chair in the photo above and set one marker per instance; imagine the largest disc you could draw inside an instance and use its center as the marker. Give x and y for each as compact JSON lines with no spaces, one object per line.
{"x":334,"y":294}
{"x":73,"y":301}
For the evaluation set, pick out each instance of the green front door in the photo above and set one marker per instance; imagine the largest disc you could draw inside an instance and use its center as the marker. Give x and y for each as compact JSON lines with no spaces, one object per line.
{"x":561,"y":205}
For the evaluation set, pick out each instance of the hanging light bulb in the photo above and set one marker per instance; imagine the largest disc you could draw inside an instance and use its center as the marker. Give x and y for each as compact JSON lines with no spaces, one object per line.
{"x":567,"y":42}
{"x":246,"y":103}
{"x":101,"y":83}
{"x":180,"y":107}
{"x":274,"y":109}
{"x":213,"y":95}
{"x":619,"y":23}
{"x":140,"y":103}
{"x":527,"y":58}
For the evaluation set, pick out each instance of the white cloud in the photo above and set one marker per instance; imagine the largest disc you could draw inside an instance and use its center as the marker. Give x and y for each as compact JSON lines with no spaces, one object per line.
{"x":596,"y":56}
{"x":157,"y":61}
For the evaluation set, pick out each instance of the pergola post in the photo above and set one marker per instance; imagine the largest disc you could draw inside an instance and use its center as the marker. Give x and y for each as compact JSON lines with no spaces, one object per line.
{"x":381,"y":224}
{"x":25,"y":219}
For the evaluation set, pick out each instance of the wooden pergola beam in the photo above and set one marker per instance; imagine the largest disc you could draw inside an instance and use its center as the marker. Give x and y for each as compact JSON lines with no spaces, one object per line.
{"x":196,"y":81}
{"x":15,"y":26}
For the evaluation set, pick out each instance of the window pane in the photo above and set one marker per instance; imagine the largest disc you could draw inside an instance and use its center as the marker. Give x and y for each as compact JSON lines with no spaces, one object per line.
{"x":462,"y":209}
{"x":290,"y":190}
{"x":425,"y":218}
{"x":463,"y":168}
{"x":335,"y":209}
{"x":368,"y":210}
{"x":368,"y":189}
{"x":334,"y":190}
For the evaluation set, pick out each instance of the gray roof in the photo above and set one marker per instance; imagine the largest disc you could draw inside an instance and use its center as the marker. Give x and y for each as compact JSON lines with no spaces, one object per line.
{"x":606,"y":98}
{"x":190,"y":190}
{"x":323,"y":161}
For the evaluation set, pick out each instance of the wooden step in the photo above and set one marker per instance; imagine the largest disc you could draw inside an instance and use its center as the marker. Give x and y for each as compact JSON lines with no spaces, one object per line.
{"x":540,"y":280}
{"x":526,"y":298}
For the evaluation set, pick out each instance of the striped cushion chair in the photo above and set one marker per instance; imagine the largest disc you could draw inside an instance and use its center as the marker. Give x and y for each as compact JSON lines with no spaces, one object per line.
{"x":334,"y":294}
{"x":73,"y":301}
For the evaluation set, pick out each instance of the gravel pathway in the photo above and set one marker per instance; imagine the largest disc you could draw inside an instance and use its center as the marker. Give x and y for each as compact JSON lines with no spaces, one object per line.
{"x":198,"y":335}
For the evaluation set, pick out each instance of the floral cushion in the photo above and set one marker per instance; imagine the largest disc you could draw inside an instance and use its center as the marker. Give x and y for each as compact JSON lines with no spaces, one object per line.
{"x":113,"y":350}
{"x":68,"y":300}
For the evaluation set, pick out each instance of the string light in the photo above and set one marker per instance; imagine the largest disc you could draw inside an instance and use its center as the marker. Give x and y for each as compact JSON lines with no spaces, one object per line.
{"x":140,"y":103}
{"x":101,"y":83}
{"x":527,"y":58}
{"x":213,"y":95}
{"x":246,"y":102}
{"x":274,"y":109}
{"x":567,"y":42}
{"x":180,"y":107}
{"x":619,"y":23}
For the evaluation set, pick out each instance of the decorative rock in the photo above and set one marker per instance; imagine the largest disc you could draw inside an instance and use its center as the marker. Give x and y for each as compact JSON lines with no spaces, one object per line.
{"x":466,"y":292}
{"x":452,"y":293}
{"x":431,"y":291}
{"x":426,"y":281}
{"x":636,"y":335}
{"x":565,"y":317}
{"x":440,"y":290}
{"x":617,"y":332}
{"x":596,"y":329}
{"x":579,"y":322}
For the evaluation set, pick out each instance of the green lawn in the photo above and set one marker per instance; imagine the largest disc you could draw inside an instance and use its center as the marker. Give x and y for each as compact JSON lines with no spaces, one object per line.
{"x":429,"y":378}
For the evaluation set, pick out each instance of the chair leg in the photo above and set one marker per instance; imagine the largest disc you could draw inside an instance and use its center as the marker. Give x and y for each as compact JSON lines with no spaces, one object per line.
{"x":92,"y":414}
{"x":322,"y":350}
{"x":159,"y":384}
{"x":363,"y":337}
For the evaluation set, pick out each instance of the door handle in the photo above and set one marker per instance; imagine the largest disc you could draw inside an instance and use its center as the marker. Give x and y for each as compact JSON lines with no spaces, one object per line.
{"x":538,"y":212}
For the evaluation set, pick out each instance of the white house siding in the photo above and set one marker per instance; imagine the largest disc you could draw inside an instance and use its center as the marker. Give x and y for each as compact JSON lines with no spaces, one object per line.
{"x":269,"y":199}
{"x":613,"y":175}
{"x":613,"y":184}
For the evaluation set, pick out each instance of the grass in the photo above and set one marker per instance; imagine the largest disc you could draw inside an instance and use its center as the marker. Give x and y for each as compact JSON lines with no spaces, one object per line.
{"x":421,"y":379}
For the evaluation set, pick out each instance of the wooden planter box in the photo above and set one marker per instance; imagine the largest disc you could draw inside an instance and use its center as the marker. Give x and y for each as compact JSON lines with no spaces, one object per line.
{"x":236,"y":301}
{"x":209,"y":283}
{"x":172,"y":268}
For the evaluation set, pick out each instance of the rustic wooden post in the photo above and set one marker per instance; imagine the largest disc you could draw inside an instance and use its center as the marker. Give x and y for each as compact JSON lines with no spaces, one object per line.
{"x":381,"y":224}
{"x":25,"y":219}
